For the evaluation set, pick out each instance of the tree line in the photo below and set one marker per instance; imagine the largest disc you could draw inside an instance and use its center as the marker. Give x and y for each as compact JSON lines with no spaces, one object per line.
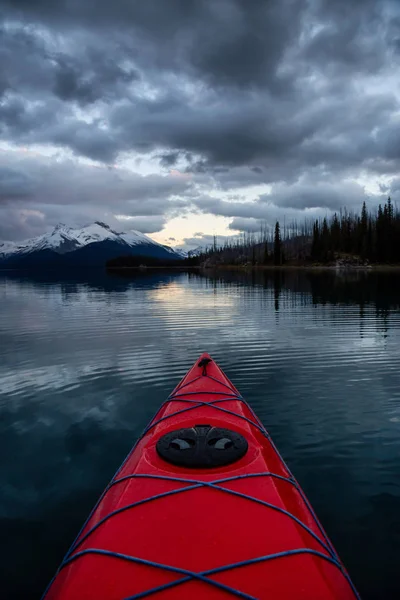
{"x":372,"y":237}
{"x":367,"y":237}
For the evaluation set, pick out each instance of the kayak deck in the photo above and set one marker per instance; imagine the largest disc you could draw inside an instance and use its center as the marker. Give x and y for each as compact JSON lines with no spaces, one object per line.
{"x":170,"y":530}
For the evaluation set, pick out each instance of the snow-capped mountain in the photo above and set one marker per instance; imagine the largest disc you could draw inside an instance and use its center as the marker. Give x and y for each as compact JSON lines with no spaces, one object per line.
{"x":90,"y":245}
{"x":196,"y":251}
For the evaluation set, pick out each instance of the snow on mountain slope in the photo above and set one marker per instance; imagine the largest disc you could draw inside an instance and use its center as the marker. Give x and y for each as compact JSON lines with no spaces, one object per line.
{"x":65,"y":239}
{"x":196,"y":251}
{"x":133,"y":238}
{"x":90,"y":246}
{"x":7,"y":248}
{"x":182,"y":253}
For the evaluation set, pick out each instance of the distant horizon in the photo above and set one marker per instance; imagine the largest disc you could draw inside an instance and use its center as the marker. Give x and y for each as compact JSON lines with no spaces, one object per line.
{"x":211,"y":239}
{"x":61,"y":225}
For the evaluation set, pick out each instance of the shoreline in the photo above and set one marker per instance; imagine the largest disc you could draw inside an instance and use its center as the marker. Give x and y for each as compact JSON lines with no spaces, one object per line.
{"x":243,"y":268}
{"x":366,"y":268}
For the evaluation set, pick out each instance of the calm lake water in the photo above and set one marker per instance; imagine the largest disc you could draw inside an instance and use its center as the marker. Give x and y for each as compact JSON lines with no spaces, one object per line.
{"x":85,"y":362}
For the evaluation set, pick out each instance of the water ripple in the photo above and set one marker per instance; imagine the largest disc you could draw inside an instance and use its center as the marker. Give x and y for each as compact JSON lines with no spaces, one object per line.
{"x":84,"y":364}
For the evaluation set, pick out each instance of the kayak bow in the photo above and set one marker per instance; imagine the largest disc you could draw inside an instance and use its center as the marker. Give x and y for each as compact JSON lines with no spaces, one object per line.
{"x":203,"y":506}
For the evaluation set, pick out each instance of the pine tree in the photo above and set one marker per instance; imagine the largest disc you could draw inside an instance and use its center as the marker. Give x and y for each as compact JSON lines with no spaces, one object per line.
{"x":389,"y":238}
{"x":277,"y":245}
{"x":370,"y":253}
{"x":325,"y":240}
{"x":390,"y":209}
{"x":335,"y":233}
{"x":363,"y":233}
{"x":315,"y":247}
{"x":380,"y":232}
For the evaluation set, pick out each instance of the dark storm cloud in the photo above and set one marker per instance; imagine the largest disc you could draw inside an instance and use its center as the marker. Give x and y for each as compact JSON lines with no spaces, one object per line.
{"x":311,"y":194}
{"x":36,"y":193}
{"x":84,"y":71}
{"x":239,"y":93}
{"x":225,"y":208}
{"x":14,"y":184}
{"x":169,"y":159}
{"x":256,"y":103}
{"x":99,"y":77}
{"x":18,"y":119}
{"x":85,"y":139}
{"x":393,"y":189}
{"x":204,"y":241}
{"x":225,"y":134}
{"x":41,"y":179}
{"x":245,"y":224}
{"x":150,"y":224}
{"x":230,"y":42}
{"x":21,"y":224}
{"x":351,"y":35}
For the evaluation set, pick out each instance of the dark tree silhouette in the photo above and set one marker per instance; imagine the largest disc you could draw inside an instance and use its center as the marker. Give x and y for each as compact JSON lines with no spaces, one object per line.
{"x":371,"y":237}
{"x":277,"y":245}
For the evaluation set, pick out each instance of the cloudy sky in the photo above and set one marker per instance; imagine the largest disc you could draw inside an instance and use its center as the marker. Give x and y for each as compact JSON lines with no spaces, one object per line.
{"x":185,"y":118}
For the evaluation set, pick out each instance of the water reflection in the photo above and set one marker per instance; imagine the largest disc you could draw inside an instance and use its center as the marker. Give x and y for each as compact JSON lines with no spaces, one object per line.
{"x":85,"y":360}
{"x":70,"y":282}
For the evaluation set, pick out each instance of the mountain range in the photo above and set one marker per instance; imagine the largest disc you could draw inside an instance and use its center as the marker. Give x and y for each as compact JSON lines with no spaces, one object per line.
{"x":90,"y":246}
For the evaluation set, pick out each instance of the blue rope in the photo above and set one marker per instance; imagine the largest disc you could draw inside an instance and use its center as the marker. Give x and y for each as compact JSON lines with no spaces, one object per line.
{"x":179,"y":386}
{"x":150,"y":563}
{"x":204,"y":575}
{"x":222,"y":383}
{"x":208,"y":404}
{"x":196,"y":484}
{"x":245,"y":563}
{"x":180,"y":480}
{"x":175,"y":396}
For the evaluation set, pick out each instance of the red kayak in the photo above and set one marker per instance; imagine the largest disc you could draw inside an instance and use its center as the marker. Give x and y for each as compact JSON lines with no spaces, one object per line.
{"x":203,"y":507}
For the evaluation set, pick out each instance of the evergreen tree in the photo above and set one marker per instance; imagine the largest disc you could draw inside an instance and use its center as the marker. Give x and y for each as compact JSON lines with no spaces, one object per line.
{"x":370,"y":254}
{"x":390,"y":251}
{"x":325,"y":241}
{"x":335,"y":233}
{"x":380,"y":232}
{"x":315,"y":242}
{"x":389,"y":209}
{"x":277,"y":245}
{"x":348,"y":241}
{"x":363,"y":233}
{"x":364,"y":218}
